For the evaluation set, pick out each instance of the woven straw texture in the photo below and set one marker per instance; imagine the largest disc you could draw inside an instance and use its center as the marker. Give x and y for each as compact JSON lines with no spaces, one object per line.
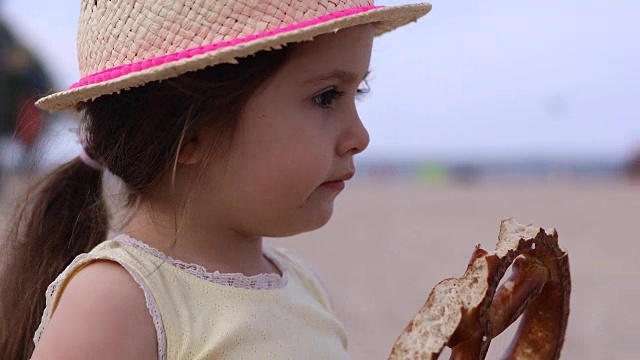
{"x":127,"y":43}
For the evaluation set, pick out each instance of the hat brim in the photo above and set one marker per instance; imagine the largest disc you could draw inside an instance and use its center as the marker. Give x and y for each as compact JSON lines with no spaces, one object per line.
{"x":133,"y":75}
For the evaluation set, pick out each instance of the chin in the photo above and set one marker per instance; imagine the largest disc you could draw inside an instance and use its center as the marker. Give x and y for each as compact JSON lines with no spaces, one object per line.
{"x":318,"y":224}
{"x":307,"y":223}
{"x":321,"y":219}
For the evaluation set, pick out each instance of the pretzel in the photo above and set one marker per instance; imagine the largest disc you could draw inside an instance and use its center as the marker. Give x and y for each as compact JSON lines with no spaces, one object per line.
{"x":465,"y":313}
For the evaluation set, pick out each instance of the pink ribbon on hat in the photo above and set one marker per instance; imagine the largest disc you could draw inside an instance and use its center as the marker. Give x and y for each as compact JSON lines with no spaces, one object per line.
{"x":126,"y":69}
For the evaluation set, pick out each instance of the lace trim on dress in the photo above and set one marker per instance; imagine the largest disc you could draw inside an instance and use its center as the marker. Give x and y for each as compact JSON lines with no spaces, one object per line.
{"x":236,"y":280}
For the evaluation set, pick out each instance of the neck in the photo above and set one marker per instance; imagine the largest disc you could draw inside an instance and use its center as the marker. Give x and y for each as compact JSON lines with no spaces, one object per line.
{"x":215,"y":248}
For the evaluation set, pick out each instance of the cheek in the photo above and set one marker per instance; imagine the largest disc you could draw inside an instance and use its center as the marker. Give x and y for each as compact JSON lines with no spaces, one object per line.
{"x":288,"y":150}
{"x":294,"y":171}
{"x":283,"y":149}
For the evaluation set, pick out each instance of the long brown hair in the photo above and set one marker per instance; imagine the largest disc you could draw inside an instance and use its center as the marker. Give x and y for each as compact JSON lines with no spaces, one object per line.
{"x":136,"y":135}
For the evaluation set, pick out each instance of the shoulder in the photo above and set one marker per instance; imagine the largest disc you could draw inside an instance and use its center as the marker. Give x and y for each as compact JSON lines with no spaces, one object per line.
{"x":284,"y":255}
{"x":101,"y":311}
{"x":296,"y":265}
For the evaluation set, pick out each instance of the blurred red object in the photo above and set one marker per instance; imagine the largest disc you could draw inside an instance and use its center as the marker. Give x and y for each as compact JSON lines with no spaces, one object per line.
{"x":29,"y":122}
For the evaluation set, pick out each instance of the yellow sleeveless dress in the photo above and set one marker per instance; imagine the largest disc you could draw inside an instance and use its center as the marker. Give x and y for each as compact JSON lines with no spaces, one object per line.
{"x":203,"y":315}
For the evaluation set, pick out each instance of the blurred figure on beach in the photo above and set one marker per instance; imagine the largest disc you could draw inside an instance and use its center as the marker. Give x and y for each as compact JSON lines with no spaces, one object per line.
{"x":22,"y":80}
{"x":632,"y":167}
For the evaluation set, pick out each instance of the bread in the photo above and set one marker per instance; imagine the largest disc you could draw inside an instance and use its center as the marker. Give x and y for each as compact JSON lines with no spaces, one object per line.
{"x":465,"y":313}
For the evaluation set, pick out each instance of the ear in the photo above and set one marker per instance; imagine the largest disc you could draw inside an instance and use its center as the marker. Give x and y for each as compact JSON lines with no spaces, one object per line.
{"x":193,"y":149}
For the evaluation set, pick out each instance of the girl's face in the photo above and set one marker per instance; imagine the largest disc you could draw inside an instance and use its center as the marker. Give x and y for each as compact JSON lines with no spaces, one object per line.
{"x":295,"y":143}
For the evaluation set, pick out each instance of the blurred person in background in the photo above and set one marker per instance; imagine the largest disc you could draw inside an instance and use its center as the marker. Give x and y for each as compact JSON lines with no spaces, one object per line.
{"x":632,"y":167}
{"x":22,"y":80}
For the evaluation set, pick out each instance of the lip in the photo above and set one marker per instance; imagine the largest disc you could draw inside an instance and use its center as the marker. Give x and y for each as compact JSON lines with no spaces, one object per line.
{"x":338,"y":183}
{"x":346,"y":176}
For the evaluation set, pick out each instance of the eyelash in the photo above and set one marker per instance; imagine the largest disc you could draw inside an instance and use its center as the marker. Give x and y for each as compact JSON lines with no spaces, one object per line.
{"x":332,"y":94}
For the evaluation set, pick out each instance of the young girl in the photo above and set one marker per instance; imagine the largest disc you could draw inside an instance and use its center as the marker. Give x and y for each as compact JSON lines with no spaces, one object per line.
{"x":225,"y":125}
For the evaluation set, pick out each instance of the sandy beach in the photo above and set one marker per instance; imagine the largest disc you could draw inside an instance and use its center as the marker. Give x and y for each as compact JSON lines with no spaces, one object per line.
{"x":389,"y":243}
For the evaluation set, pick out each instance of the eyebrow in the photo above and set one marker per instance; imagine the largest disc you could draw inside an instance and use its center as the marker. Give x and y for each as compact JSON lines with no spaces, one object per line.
{"x":340,"y":75}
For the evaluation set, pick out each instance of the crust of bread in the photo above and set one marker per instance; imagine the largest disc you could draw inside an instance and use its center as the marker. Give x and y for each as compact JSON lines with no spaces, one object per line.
{"x":465,"y":313}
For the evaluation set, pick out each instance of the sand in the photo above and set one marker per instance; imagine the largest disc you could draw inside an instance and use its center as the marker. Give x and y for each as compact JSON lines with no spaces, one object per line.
{"x":389,"y":243}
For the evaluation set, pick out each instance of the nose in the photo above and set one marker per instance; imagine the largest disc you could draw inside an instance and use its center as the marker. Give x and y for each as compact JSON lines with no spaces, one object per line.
{"x":354,"y":138}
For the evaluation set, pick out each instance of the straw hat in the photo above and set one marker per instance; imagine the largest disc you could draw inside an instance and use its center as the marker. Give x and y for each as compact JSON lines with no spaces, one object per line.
{"x":124,"y":43}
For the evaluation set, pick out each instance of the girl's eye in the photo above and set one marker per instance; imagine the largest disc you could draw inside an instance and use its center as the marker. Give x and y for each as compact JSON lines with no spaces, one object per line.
{"x":326,"y":99}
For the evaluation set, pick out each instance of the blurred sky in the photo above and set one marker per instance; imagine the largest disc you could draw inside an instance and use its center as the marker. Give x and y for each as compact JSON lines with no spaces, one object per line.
{"x":471,"y":80}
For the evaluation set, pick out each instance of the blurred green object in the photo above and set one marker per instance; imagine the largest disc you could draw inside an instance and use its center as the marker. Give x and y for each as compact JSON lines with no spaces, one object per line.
{"x":433,"y":174}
